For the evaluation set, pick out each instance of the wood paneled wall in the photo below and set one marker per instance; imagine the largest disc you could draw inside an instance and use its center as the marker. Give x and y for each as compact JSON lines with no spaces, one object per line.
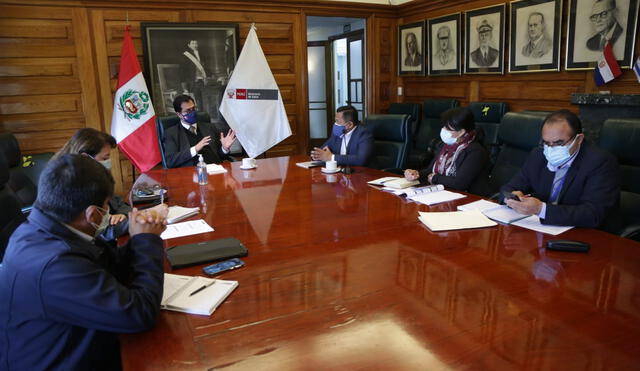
{"x":535,"y":91}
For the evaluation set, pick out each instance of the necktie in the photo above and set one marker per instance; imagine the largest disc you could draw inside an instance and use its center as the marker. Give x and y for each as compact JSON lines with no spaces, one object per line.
{"x":192,"y":129}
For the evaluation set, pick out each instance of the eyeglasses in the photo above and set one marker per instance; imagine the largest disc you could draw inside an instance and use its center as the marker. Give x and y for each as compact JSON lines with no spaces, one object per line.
{"x":192,"y":109}
{"x":601,"y":15}
{"x":557,"y":143}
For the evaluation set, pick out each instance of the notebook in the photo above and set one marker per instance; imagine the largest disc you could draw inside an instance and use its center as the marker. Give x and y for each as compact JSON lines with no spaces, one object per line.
{"x":501,"y":213}
{"x":453,"y":220}
{"x":399,"y":183}
{"x":436,"y":197}
{"x":382,"y":181}
{"x":309,"y":164}
{"x":177,"y":213}
{"x":178,"y":289}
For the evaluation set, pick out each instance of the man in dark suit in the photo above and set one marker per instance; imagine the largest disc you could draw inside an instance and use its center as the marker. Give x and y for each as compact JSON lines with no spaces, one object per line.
{"x":349,"y":144}
{"x":413,"y":58}
{"x":569,"y":181}
{"x":65,"y":297}
{"x":184,"y":142}
{"x":603,"y":17}
{"x":193,"y":72}
{"x":484,"y":55}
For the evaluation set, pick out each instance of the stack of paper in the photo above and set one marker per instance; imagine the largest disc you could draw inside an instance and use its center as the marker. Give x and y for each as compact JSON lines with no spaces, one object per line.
{"x":533,"y":223}
{"x":196,"y":295}
{"x":177,"y":213}
{"x":452,"y":220}
{"x":215,"y":169}
{"x":186,"y":229}
{"x":436,"y":197}
{"x":502,"y":213}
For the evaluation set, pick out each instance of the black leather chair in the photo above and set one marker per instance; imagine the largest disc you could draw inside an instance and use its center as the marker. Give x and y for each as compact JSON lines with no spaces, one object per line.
{"x":391,"y":141}
{"x":411,"y":109}
{"x":621,"y":137}
{"x":518,"y":134}
{"x":165,"y":122}
{"x":428,"y":132}
{"x":11,"y":216}
{"x":487,"y":116}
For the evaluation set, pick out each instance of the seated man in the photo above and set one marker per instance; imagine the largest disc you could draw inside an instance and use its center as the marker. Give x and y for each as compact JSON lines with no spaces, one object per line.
{"x":64,"y":297}
{"x":183,"y":143}
{"x":349,"y":144}
{"x":569,"y":181}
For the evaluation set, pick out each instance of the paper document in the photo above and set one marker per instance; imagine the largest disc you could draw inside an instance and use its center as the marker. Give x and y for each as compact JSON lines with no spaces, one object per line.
{"x":504,"y":214}
{"x":436,"y":197}
{"x":186,"y":229}
{"x":382,"y":181}
{"x":481,"y":205}
{"x":452,"y":220}
{"x":196,"y":295}
{"x":215,"y":169}
{"x":533,"y":222}
{"x":309,"y":164}
{"x":177,"y":213}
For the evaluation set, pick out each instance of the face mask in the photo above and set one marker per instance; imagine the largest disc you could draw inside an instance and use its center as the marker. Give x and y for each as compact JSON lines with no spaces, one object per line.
{"x":191,"y":117}
{"x":104,"y":223}
{"x":338,"y":130}
{"x":106,"y":164}
{"x":447,"y":137}
{"x":558,"y":155}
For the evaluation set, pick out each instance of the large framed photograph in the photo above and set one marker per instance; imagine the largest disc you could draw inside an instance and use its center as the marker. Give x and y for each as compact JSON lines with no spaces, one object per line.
{"x":591,"y":22}
{"x":535,"y":35}
{"x":484,"y":40}
{"x":411,"y":49}
{"x":189,"y":58}
{"x":444,"y":45}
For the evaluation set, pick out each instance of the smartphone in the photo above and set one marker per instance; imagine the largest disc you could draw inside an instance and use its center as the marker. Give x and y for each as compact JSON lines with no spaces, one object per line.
{"x":510,"y":196}
{"x":227,"y":265}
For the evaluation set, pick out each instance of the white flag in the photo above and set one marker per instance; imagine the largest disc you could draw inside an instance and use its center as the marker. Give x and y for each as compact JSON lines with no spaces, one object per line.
{"x":252,"y":104}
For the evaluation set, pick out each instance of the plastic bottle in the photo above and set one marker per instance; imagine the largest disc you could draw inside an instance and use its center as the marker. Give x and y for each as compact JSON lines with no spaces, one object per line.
{"x":201,"y":168}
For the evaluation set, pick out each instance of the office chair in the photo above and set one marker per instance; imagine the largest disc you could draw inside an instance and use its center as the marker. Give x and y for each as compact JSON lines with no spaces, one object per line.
{"x":391,"y":141}
{"x":621,"y":138}
{"x":428,"y":132}
{"x":11,"y":216}
{"x":411,"y":109}
{"x":487,"y":116}
{"x":165,"y":122}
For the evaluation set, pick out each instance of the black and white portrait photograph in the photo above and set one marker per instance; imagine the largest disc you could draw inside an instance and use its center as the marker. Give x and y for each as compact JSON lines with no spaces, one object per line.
{"x":535,"y":35}
{"x":411,"y":49}
{"x":484,"y":40}
{"x":592,"y":23}
{"x":193,"y":59}
{"x":444,"y":45}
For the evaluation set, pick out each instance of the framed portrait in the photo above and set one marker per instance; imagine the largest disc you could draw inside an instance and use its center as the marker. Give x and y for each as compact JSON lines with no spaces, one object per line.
{"x":591,"y":22}
{"x":189,"y":58}
{"x":444,"y":45}
{"x":534,"y":42}
{"x":484,"y":40}
{"x":411,"y":49}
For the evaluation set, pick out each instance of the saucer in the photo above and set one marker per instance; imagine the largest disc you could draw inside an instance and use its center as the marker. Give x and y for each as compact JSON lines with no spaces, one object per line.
{"x":248,"y":167}
{"x":324,"y":170}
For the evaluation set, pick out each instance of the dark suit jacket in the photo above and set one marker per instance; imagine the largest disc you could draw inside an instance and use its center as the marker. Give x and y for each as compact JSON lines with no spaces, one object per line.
{"x":359,"y":149}
{"x":188,"y":69}
{"x":471,"y":170}
{"x":65,"y":299}
{"x":176,"y":145}
{"x":594,"y":41}
{"x":590,"y":190}
{"x":477,"y":57}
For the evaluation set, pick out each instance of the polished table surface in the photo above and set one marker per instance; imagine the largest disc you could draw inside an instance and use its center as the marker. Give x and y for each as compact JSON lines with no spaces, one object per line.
{"x":341,"y":275}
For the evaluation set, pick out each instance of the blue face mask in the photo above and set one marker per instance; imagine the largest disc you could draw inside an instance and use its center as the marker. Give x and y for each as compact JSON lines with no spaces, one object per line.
{"x":558,"y":155}
{"x":338,"y":130}
{"x":191,"y":117}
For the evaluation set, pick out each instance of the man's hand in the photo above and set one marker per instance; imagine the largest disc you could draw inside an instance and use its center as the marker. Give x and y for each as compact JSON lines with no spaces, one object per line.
{"x":321,"y":154}
{"x":147,"y":221}
{"x":227,"y":140}
{"x":117,"y":218}
{"x":527,"y":205}
{"x":203,"y":142}
{"x":411,"y":174}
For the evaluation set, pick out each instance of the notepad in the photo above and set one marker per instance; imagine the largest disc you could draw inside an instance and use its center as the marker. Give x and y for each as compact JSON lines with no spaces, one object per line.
{"x":433,"y":198}
{"x":533,"y":222}
{"x":186,"y":229}
{"x":481,"y":205}
{"x":215,"y":169}
{"x":309,"y":164}
{"x":382,"y":181}
{"x":177,"y":293}
{"x":177,"y":213}
{"x":454,"y":220}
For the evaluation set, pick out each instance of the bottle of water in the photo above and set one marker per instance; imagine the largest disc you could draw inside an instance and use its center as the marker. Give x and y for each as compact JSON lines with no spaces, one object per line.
{"x":201,"y":168}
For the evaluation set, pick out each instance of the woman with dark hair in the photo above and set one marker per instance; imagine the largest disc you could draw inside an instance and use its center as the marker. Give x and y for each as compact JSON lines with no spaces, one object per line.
{"x":461,"y":161}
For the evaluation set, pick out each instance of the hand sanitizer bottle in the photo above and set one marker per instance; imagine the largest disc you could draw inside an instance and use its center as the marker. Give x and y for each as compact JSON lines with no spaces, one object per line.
{"x":201,"y":168}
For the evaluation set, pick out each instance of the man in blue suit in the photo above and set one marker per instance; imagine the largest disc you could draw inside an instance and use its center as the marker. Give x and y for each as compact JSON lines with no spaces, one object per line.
{"x":350,"y":144}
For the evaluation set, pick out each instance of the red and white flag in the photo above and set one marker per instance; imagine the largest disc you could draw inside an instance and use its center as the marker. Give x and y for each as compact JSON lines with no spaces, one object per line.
{"x":133,"y":122}
{"x":607,"y":68}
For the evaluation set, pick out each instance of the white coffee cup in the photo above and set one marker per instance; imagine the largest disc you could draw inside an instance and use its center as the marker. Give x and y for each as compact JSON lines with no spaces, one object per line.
{"x":248,"y":162}
{"x":331,"y":165}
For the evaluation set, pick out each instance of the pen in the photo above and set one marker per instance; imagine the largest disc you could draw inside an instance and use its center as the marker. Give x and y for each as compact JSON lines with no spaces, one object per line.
{"x":202,"y":288}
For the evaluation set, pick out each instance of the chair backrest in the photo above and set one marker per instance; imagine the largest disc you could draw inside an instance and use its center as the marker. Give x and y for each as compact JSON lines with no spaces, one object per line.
{"x":21,"y":185}
{"x":488,"y":115}
{"x":518,"y":134}
{"x":165,"y":122}
{"x":11,"y":216}
{"x":429,"y":128}
{"x":411,"y":109}
{"x":390,"y":140}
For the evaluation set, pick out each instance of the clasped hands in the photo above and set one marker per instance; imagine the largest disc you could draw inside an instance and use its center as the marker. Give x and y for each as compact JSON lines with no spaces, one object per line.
{"x":152,"y":220}
{"x":527,"y":204}
{"x":321,"y":154}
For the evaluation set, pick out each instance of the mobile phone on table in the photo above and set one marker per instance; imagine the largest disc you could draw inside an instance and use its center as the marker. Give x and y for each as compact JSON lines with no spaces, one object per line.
{"x":227,"y":265}
{"x":510,"y":196}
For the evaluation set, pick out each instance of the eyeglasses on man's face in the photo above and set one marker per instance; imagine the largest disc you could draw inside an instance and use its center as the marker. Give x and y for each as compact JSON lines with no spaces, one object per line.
{"x":602,"y":15}
{"x":557,"y":143}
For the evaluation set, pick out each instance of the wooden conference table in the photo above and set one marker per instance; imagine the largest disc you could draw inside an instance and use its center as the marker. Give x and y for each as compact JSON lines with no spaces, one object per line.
{"x":341,"y":275}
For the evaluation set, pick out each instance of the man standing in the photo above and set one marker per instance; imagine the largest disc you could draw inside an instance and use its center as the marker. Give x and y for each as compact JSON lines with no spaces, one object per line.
{"x":485,"y":55}
{"x":445,"y":55}
{"x":193,"y":73}
{"x":569,"y":181}
{"x":603,"y":18}
{"x":349,"y":144}
{"x":413,"y":58}
{"x":64,"y":297}
{"x":539,"y":42}
{"x":183,"y":142}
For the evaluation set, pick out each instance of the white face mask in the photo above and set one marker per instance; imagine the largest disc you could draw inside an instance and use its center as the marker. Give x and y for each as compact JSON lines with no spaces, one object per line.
{"x":558,"y":155}
{"x":447,"y":137}
{"x":106,"y":164}
{"x":104,"y":223}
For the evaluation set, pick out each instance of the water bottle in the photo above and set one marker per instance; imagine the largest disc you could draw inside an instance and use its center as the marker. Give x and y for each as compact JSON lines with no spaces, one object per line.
{"x":201,"y":168}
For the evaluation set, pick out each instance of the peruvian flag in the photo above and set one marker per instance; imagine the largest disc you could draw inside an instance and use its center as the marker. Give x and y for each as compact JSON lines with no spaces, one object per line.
{"x":133,"y":122}
{"x":607,"y":68}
